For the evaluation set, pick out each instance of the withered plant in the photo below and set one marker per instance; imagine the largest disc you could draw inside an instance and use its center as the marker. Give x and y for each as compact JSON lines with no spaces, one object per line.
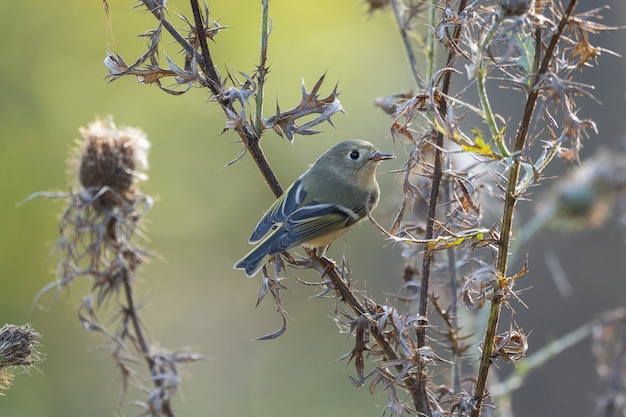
{"x":101,"y":240}
{"x":17,"y":350}
{"x":462,"y":156}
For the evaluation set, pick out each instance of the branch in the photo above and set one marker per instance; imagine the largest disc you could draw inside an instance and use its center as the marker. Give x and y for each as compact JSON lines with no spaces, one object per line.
{"x":206,"y":63}
{"x":248,"y":135}
{"x":330,"y":270}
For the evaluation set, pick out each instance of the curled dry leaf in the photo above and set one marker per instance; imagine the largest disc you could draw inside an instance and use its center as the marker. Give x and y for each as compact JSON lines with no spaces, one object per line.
{"x":286,"y":123}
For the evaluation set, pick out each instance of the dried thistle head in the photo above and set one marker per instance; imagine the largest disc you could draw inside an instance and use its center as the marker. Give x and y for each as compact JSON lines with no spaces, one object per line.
{"x":112,"y":160}
{"x":511,"y":345}
{"x":100,"y":224}
{"x":17,"y":349}
{"x":515,"y":7}
{"x":376,"y":5}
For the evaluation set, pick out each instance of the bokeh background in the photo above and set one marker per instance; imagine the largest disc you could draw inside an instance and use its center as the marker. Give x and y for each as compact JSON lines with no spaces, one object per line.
{"x":52,"y":82}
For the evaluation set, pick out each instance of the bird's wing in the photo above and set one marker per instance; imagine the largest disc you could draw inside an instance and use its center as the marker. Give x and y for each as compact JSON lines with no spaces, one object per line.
{"x":313,"y":222}
{"x":286,"y":204}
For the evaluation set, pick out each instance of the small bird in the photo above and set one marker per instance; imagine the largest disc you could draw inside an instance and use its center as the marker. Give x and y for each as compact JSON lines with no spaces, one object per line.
{"x":334,"y":194}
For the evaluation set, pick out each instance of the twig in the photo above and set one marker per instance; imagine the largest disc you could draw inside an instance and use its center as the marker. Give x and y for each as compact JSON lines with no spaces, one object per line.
{"x":247,"y":133}
{"x":131,"y":311}
{"x":206,"y":63}
{"x":330,"y":270}
{"x":406,"y":40}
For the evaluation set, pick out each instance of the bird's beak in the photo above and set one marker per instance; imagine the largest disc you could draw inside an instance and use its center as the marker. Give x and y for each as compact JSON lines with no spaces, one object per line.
{"x":379,"y":156}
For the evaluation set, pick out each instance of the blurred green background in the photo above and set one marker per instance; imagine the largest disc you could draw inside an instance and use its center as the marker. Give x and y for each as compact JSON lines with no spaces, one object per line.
{"x":52,"y":82}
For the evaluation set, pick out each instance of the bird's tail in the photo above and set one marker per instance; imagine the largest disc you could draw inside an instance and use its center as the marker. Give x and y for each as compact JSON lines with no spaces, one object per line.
{"x":253,"y":261}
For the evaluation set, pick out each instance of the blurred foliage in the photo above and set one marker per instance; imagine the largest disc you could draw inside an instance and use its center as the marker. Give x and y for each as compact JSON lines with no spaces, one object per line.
{"x":52,"y":82}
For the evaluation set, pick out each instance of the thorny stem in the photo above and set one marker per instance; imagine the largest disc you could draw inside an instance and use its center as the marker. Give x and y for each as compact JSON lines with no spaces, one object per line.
{"x":434,"y":191}
{"x":248,"y":135}
{"x":207,"y":63}
{"x":251,"y":140}
{"x":252,"y":143}
{"x":157,"y":12}
{"x":330,"y":270}
{"x":510,"y":199}
{"x":131,"y":311}
{"x":430,"y":65}
{"x":423,"y":404}
{"x":262,"y":69}
{"x":404,"y":32}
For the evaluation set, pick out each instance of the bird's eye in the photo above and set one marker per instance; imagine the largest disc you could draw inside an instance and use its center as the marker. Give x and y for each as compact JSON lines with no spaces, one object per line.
{"x":354,"y":155}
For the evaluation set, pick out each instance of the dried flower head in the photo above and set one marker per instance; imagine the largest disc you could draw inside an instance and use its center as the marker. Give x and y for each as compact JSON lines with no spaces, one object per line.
{"x":100,"y":224}
{"x":510,"y":346}
{"x":376,"y":5}
{"x":17,"y":349}
{"x":515,"y":7}
{"x":112,"y":160}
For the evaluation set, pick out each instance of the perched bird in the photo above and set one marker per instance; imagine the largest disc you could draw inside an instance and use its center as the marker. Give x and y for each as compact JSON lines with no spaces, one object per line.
{"x":334,"y":194}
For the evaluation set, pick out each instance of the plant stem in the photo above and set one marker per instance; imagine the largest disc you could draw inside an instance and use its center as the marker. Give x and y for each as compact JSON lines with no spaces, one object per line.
{"x":448,"y":191}
{"x":412,"y":384}
{"x":423,"y":407}
{"x":207,"y":63}
{"x":247,"y":133}
{"x":510,"y":199}
{"x":481,"y":75}
{"x":404,"y":33}
{"x":432,"y":44}
{"x":143,"y":347}
{"x":157,"y":12}
{"x":262,"y":69}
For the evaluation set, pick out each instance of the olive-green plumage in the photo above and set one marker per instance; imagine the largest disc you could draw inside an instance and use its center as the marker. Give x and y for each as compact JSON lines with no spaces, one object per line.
{"x":321,"y":205}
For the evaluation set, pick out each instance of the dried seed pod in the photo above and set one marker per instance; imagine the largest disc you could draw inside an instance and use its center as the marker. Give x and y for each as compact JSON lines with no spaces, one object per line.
{"x":112,"y":160}
{"x":515,"y":7}
{"x":17,"y":348}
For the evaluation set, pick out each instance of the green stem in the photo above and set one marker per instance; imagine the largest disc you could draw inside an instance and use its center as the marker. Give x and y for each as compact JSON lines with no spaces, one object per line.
{"x":481,"y":75}
{"x":262,"y":70}
{"x":510,"y":199}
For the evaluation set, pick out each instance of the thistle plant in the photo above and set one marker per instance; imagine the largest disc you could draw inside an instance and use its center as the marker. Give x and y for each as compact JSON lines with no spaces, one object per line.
{"x":101,"y":240}
{"x":456,"y":260}
{"x":17,"y":349}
